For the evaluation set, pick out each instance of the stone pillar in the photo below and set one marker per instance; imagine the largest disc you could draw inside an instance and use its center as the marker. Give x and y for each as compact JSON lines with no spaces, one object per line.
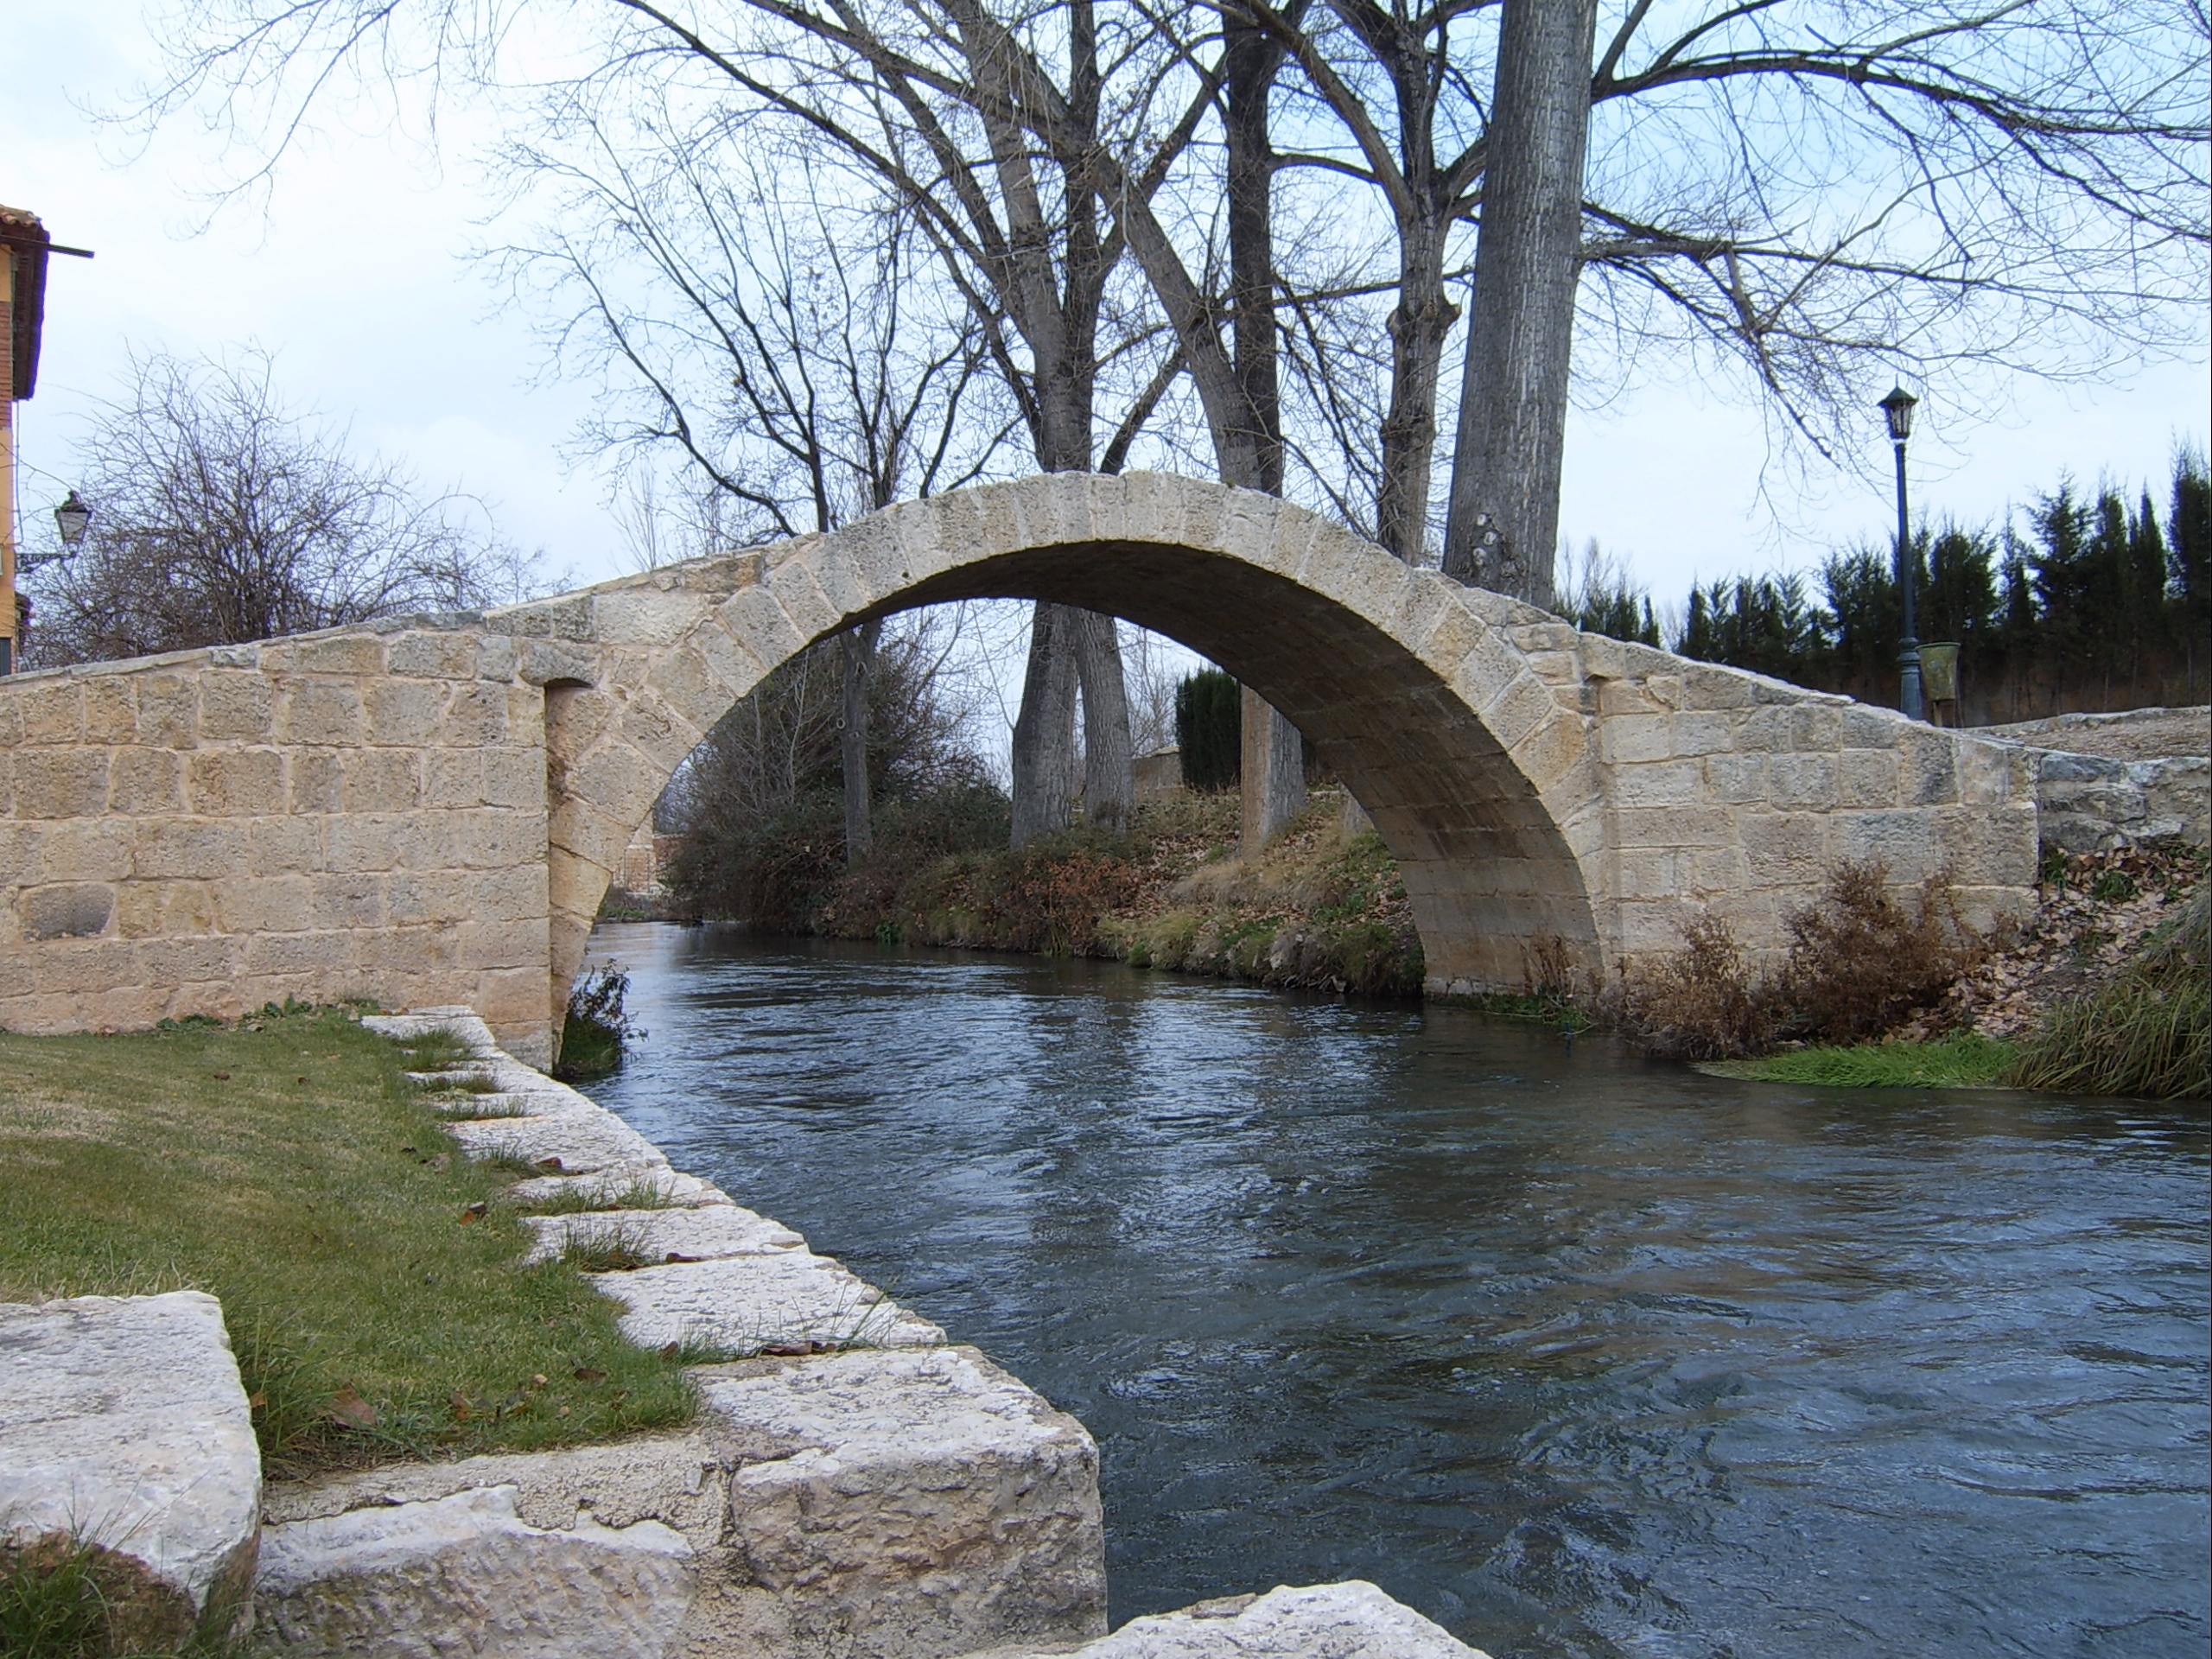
{"x":1274,"y":760}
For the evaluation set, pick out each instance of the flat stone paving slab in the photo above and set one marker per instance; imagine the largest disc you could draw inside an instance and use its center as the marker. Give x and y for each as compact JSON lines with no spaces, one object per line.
{"x":123,"y":1424}
{"x":583,"y":1142}
{"x":1352,"y":1620}
{"x":741,"y":1304}
{"x":660,"y":1236}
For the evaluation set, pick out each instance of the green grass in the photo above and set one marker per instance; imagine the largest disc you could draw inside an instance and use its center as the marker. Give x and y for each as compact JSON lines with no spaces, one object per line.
{"x":287,"y":1167}
{"x":1969,"y":1061}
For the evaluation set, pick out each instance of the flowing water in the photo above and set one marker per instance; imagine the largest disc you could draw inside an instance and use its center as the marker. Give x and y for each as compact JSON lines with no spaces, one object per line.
{"x":1577,"y":1354}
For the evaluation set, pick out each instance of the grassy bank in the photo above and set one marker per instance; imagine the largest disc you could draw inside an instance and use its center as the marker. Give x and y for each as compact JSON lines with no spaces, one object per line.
{"x":1965,"y":1060}
{"x":1319,"y":908}
{"x":369,"y":1276}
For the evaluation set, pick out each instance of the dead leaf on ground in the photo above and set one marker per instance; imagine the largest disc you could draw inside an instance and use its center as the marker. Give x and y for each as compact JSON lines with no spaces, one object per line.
{"x":462,"y":1410}
{"x":222,"y":1077}
{"x":590,"y":1373}
{"x":348,"y":1408}
{"x":476,"y":1212}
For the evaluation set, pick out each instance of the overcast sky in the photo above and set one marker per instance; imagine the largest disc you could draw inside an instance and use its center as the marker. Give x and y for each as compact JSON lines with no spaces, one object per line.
{"x":355,"y":277}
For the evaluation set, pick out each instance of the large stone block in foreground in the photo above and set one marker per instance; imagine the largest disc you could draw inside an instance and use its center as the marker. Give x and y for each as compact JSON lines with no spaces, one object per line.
{"x":903,"y":1504}
{"x":468,"y":1574}
{"x":123,"y":1425}
{"x":1352,"y":1620}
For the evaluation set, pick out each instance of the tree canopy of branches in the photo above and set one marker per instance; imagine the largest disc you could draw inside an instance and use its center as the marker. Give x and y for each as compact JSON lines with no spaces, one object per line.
{"x":1797,"y":200}
{"x":219,"y":515}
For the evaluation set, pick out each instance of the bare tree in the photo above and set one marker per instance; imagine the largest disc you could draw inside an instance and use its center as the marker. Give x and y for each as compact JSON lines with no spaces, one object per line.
{"x":1818,"y":195}
{"x":219,"y":515}
{"x":782,"y":347}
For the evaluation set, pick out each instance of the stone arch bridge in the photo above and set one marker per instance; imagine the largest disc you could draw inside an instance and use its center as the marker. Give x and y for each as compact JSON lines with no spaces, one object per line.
{"x":426,"y":809}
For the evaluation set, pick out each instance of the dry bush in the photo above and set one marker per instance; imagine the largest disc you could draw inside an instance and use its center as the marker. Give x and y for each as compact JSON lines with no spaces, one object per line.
{"x":1698,"y":1004}
{"x":1859,"y":962}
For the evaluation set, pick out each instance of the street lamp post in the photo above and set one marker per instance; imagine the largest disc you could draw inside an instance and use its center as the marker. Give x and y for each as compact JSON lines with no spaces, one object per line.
{"x":1897,"y":409}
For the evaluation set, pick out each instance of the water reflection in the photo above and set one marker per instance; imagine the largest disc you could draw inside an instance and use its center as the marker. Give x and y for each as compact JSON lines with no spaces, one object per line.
{"x":1577,"y":1354}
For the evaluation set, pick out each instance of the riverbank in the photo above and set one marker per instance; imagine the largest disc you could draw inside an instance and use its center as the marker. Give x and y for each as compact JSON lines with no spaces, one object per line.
{"x":372,"y":1276}
{"x":2101,"y":990}
{"x":1321,"y":908}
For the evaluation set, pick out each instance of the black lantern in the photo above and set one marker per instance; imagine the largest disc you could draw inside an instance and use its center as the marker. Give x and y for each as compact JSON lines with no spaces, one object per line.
{"x":72,"y":517}
{"x":1897,"y":409}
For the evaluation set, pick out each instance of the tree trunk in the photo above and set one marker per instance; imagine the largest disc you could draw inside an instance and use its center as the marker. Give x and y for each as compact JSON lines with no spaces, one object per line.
{"x":1274,"y":788}
{"x":1419,"y":325}
{"x":1504,"y":526}
{"x":1044,"y":732}
{"x":1108,"y":768}
{"x":858,"y":655}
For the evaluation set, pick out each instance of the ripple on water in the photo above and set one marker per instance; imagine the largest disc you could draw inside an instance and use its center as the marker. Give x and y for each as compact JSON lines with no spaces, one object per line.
{"x":1579,"y":1355}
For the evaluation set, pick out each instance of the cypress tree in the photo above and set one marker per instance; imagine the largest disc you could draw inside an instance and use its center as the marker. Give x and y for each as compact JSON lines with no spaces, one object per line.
{"x":1210,"y":729}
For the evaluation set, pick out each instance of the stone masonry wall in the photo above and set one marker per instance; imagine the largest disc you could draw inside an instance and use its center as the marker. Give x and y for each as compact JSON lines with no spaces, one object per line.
{"x":429,"y":811}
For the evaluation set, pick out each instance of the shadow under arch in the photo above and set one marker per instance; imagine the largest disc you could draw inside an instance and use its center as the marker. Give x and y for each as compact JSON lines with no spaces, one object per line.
{"x":1408,"y":684}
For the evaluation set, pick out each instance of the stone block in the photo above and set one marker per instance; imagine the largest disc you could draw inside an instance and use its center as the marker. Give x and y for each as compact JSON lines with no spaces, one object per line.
{"x":1803,"y":782}
{"x":361,"y":653}
{"x":147,"y":910}
{"x":123,"y":1424}
{"x":168,"y":710}
{"x":812,"y":610}
{"x":283,"y":845}
{"x":1903,"y":841}
{"x":1928,"y":761}
{"x":437,"y":655}
{"x":66,"y":910}
{"x":1866,"y":777}
{"x":1630,"y":738}
{"x":1784,"y":849}
{"x":231,"y":783}
{"x":1352,"y":1620}
{"x":1708,"y":685}
{"x":1518,"y":709}
{"x":110,"y":708}
{"x":142,"y":781}
{"x":60,"y":782}
{"x":908,"y":1503}
{"x":192,"y":849}
{"x":1701,"y":733}
{"x":236,"y":706}
{"x":1665,"y":782}
{"x":642,"y":616}
{"x":757,"y":622}
{"x":741,"y":1305}
{"x":476,"y":716}
{"x":317,"y":781}
{"x":325,"y":712}
{"x":466,"y":1573}
{"x":264,"y":903}
{"x":380,"y":780}
{"x":52,"y":712}
{"x":405,"y":710}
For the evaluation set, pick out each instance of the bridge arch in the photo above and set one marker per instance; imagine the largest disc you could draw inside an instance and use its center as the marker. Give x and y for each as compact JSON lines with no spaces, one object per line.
{"x":426,"y":811}
{"x":1418,"y":692}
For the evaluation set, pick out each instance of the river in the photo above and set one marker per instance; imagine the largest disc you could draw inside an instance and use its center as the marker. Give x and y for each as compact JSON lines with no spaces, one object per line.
{"x":1576,"y":1353}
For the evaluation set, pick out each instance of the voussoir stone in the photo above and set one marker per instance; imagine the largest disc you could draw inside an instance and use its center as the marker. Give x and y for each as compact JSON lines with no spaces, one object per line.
{"x":123,"y":1424}
{"x":467,"y":1574}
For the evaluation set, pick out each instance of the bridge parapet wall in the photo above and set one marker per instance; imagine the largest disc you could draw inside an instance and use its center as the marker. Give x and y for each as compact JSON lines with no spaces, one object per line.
{"x":356,"y":814}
